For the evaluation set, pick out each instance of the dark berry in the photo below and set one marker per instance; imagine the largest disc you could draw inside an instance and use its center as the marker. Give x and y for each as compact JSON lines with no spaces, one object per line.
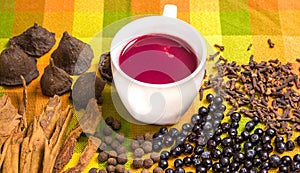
{"x":236,"y":147}
{"x":263,"y":171}
{"x":203,"y":111}
{"x":253,"y":170}
{"x":218,"y":115}
{"x":250,"y":154}
{"x":235,"y":117}
{"x":248,"y":164}
{"x":208,"y":126}
{"x":173,"y":132}
{"x":258,"y":148}
{"x":218,"y":100}
{"x":296,"y":158}
{"x":286,"y":160}
{"x":109,"y":120}
{"x":187,"y":127}
{"x":298,"y":140}
{"x":164,"y":155}
{"x":259,"y":131}
{"x":255,"y":119}
{"x":226,"y":142}
{"x":254,"y":138}
{"x":256,"y":162}
{"x":195,"y":118}
{"x":234,"y":166}
{"x":290,"y":145}
{"x":280,"y":147}
{"x":271,"y":132}
{"x":196,"y":162}
{"x":207,"y":163}
{"x":224,"y":161}
{"x":239,"y":139}
{"x":278,"y":139}
{"x":266,"y":139}
{"x":179,"y":170}
{"x":295,"y":166}
{"x":250,"y":126}
{"x":228,"y":152}
{"x":216,"y":167}
{"x":218,"y":131}
{"x":210,"y":97}
{"x":178,"y":163}
{"x":225,"y":127}
{"x":163,"y":130}
{"x":234,"y":125}
{"x":198,"y":149}
{"x":188,"y":148}
{"x":168,"y":141}
{"x":176,"y":151}
{"x":268,"y":147}
{"x":243,"y":170}
{"x":157,"y":145}
{"x":283,"y":169}
{"x":218,"y":139}
{"x":211,"y":144}
{"x":232,"y":132}
{"x":157,"y":135}
{"x":205,"y":155}
{"x":222,"y":107}
{"x":265,"y":165}
{"x":212,"y":108}
{"x":239,"y":157}
{"x":187,"y":161}
{"x":180,"y":139}
{"x":169,"y":170}
{"x":245,"y":135}
{"x":274,"y":161}
{"x":216,"y":154}
{"x":201,"y":169}
{"x":263,"y":155}
{"x":225,"y":170}
{"x":248,"y":145}
{"x":163,"y":164}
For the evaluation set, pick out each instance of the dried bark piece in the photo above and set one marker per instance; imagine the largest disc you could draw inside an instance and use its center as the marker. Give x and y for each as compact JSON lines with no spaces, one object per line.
{"x":87,"y":86}
{"x":14,"y":63}
{"x":72,"y":55}
{"x":35,"y":41}
{"x":104,"y":67}
{"x":9,"y":119}
{"x":86,"y":155}
{"x":55,"y":81}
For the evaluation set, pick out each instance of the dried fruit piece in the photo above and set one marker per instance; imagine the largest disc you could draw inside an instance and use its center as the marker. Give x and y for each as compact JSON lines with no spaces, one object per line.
{"x":87,"y":86}
{"x":104,"y":67}
{"x":14,"y":63}
{"x":35,"y":41}
{"x":55,"y":81}
{"x":72,"y":55}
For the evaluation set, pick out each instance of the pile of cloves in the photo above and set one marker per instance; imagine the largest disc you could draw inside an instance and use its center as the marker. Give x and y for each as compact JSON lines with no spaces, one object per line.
{"x":264,"y":89}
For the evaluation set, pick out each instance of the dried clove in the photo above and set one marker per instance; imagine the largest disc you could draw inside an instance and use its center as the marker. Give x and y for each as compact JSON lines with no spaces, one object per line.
{"x":271,"y":44}
{"x":219,"y":47}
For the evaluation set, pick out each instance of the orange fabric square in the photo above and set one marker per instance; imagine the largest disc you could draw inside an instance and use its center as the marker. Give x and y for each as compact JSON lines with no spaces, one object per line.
{"x":263,"y":4}
{"x":30,"y":5}
{"x":59,"y":5}
{"x":145,"y":7}
{"x":265,"y":22}
{"x":290,"y":22}
{"x":288,"y":5}
{"x":291,"y":45}
{"x":58,"y":23}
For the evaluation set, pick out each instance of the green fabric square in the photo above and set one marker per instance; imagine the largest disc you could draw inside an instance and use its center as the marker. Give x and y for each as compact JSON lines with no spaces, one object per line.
{"x":6,"y":24}
{"x":235,"y":23}
{"x":114,"y":21}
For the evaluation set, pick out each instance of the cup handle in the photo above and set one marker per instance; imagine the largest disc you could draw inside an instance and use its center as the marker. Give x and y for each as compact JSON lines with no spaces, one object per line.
{"x":170,"y":10}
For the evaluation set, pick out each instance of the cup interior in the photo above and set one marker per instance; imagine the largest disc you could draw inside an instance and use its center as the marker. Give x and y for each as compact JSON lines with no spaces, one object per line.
{"x":159,"y":25}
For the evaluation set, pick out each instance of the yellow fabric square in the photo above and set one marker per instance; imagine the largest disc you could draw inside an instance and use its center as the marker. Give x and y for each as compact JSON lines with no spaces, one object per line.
{"x":236,"y":48}
{"x":89,"y":5}
{"x":87,"y":24}
{"x":204,"y":5}
{"x":289,"y":21}
{"x":291,"y":47}
{"x":262,"y":51}
{"x":208,"y":23}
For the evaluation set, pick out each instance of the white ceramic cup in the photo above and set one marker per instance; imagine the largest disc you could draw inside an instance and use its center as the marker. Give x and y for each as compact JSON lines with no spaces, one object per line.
{"x":158,"y":103}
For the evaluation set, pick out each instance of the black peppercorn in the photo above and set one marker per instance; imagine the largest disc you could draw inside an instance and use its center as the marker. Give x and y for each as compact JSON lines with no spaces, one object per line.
{"x":163,"y":164}
{"x":115,"y":144}
{"x":158,"y":170}
{"x":102,"y":157}
{"x":210,"y":97}
{"x":147,"y":146}
{"x":112,"y":161}
{"x":134,"y":145}
{"x":120,"y":168}
{"x":121,"y":149}
{"x":110,"y":168}
{"x":93,"y":170}
{"x":122,"y":158}
{"x":155,"y":156}
{"x":109,"y":120}
{"x":107,"y":131}
{"x":139,"y":152}
{"x":120,"y":137}
{"x":148,"y":162}
{"x":116,"y":125}
{"x":137,"y":163}
{"x":178,"y":163}
{"x":290,"y":145}
{"x":274,"y":161}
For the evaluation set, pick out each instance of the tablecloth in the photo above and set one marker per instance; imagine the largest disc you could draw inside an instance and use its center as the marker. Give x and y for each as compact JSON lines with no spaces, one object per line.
{"x":232,"y":23}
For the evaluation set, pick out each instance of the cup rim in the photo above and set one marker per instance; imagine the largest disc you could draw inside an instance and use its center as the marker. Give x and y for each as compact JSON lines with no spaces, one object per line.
{"x":200,"y":66}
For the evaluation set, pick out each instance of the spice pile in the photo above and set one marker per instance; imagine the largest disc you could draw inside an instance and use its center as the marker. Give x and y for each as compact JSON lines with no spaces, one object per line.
{"x":267,"y":90}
